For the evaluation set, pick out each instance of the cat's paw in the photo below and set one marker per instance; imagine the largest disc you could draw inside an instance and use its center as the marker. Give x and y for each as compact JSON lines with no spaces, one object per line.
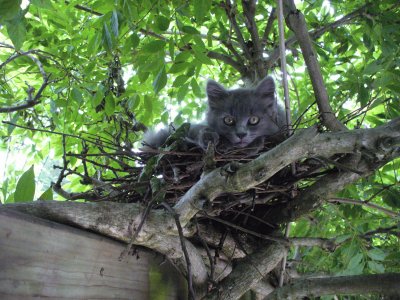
{"x":206,"y":136}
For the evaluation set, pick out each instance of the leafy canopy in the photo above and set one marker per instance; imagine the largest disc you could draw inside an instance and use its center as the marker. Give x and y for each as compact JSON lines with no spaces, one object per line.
{"x":114,"y":65}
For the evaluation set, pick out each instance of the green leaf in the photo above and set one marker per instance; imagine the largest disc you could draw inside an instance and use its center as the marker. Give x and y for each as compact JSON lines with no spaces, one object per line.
{"x":160,"y":81}
{"x":376,"y":267}
{"x":10,"y":128}
{"x":162,"y":23}
{"x":154,"y":46}
{"x":114,"y":23}
{"x":181,"y":79}
{"x":110,"y":104}
{"x":148,"y":105}
{"x":377,"y":254}
{"x":182,"y":92}
{"x":47,"y":195}
{"x":190,"y":30}
{"x":391,"y":198}
{"x":25,"y":190}
{"x":107,"y":40}
{"x":201,"y":9}
{"x":45,"y":4}
{"x":76,"y":95}
{"x":9,"y":9}
{"x":195,"y":88}
{"x":17,"y":32}
{"x":98,"y":96}
{"x":178,"y":67}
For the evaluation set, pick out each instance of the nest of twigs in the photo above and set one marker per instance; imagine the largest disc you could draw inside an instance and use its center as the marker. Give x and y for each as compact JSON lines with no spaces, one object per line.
{"x":157,"y":176}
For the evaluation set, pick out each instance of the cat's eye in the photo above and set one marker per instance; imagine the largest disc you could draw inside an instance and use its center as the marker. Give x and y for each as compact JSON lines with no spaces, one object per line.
{"x":253,"y":120}
{"x":228,"y":120}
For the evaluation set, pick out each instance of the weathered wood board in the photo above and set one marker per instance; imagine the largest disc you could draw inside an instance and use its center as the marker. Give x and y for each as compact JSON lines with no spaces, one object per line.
{"x":43,"y":259}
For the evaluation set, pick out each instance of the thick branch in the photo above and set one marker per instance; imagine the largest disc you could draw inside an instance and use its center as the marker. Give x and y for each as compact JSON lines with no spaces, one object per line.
{"x":296,"y":22}
{"x":359,"y":284}
{"x":316,"y":33}
{"x":250,"y":271}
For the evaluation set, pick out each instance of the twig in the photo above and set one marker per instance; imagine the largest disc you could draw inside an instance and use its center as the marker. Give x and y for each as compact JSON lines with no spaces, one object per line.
{"x":364,"y":203}
{"x":232,"y":18}
{"x":210,"y":258}
{"x":185,"y":252}
{"x":268,"y":28}
{"x":245,"y":230}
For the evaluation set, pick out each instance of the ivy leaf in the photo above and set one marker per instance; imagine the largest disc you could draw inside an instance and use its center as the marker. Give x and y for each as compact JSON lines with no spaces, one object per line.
{"x":160,"y":81}
{"x":25,"y":190}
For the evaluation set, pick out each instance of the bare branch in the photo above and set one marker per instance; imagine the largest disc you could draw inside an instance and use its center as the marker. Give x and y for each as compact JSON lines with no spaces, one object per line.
{"x":31,"y":100}
{"x":268,"y":27}
{"x":365,"y":203}
{"x":232,"y":18}
{"x":296,"y":22}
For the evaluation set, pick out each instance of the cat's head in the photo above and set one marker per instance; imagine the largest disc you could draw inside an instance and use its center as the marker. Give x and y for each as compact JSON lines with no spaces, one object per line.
{"x":242,"y":115}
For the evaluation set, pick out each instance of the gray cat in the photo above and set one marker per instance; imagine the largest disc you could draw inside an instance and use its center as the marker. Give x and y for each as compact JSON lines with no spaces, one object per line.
{"x":238,"y":118}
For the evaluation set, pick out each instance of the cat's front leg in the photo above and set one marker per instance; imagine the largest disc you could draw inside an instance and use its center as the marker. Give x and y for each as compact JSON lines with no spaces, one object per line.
{"x":207,"y":135}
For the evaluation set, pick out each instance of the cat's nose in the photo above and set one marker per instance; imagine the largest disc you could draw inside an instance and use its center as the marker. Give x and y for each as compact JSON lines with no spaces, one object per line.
{"x":241,"y":135}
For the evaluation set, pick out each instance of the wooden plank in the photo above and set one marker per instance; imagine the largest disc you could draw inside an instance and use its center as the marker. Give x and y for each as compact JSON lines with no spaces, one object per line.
{"x":39,"y":258}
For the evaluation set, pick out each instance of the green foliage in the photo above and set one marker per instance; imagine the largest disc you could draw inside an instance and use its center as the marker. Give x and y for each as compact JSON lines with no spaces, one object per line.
{"x":25,"y":189}
{"x":160,"y":51}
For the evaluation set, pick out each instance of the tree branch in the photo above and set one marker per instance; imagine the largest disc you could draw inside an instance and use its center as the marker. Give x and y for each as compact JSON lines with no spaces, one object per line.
{"x":250,"y":271}
{"x":358,"y":284}
{"x":268,"y":27}
{"x":296,"y":22}
{"x":364,"y":203}
{"x":241,"y":68}
{"x":232,"y":18}
{"x":32,"y":99}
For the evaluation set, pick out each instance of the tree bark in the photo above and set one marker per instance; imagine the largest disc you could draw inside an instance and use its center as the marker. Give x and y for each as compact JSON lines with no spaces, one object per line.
{"x":359,"y":284}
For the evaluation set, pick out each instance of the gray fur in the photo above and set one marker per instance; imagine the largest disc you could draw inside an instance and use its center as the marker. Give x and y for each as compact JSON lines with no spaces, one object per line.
{"x":239,"y":105}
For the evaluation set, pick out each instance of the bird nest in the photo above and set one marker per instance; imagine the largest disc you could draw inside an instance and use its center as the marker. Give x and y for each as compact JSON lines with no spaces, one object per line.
{"x":154,"y":177}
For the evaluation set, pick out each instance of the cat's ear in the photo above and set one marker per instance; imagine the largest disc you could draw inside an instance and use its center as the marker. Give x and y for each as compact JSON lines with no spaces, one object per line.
{"x":266,"y":93}
{"x":266,"y":87}
{"x":215,"y":92}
